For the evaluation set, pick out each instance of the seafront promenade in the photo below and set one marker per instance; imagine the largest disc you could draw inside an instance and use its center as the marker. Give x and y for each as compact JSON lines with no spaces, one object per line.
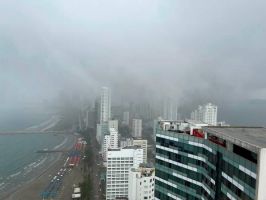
{"x":33,"y":188}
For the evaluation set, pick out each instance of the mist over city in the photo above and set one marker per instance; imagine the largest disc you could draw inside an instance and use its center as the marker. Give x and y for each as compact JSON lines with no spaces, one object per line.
{"x":193,"y":52}
{"x":181,"y":61}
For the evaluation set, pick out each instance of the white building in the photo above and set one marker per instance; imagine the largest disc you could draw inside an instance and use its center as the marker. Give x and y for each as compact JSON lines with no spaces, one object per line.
{"x":126,"y":118}
{"x":103,"y":129}
{"x":103,"y":108}
{"x":144,"y":145}
{"x":110,"y":141}
{"x":136,"y":142}
{"x":119,"y":162}
{"x":105,"y":105}
{"x":141,"y":183}
{"x":206,"y":113}
{"x":137,"y":128}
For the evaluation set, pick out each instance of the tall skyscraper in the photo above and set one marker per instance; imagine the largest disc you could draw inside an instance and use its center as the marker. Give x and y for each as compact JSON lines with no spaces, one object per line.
{"x":102,"y":130}
{"x":141,"y":183}
{"x":170,"y":110}
{"x":206,"y":113}
{"x":105,"y":106}
{"x":103,"y":112}
{"x":119,"y":162}
{"x":210,"y":162}
{"x":137,"y":128}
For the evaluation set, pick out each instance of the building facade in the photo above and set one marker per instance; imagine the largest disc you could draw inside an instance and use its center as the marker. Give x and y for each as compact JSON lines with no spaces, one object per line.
{"x":210,"y":163}
{"x":137,"y":128}
{"x":141,"y":183}
{"x":136,"y":142}
{"x":119,"y":162}
{"x":102,"y":130}
{"x":110,"y":142}
{"x":143,"y":144}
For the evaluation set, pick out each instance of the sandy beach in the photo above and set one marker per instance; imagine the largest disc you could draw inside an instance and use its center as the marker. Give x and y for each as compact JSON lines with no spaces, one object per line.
{"x":33,"y":188}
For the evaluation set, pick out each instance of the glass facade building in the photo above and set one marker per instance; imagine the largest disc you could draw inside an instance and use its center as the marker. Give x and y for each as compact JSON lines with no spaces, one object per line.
{"x":208,"y":163}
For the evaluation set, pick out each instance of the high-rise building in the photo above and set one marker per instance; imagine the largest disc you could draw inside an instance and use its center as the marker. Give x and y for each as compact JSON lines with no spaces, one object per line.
{"x":126,"y":118}
{"x":210,"y":162}
{"x":119,"y":162}
{"x":110,"y":142}
{"x":169,"y":110}
{"x":141,"y":183}
{"x":102,"y":130}
{"x":136,"y":142}
{"x":206,"y":113}
{"x":105,"y":105}
{"x":103,"y":113}
{"x":97,"y":110}
{"x":137,"y":128}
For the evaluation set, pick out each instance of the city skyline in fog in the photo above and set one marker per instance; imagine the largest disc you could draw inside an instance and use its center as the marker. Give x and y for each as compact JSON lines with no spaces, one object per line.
{"x":193,"y":52}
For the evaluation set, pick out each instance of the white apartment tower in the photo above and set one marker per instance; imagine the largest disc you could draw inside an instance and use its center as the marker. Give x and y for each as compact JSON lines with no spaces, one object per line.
{"x":137,"y":128}
{"x":105,"y":105}
{"x":110,"y":141}
{"x":210,"y":114}
{"x":144,"y":145}
{"x":206,"y":113}
{"x":136,"y":142}
{"x":103,"y":129}
{"x":119,"y":162}
{"x":141,"y":183}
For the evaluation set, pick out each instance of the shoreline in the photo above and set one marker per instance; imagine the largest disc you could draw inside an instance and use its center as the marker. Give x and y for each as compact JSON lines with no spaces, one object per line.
{"x":42,"y":178}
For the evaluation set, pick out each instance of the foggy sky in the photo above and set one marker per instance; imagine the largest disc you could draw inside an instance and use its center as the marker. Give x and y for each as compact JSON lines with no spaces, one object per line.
{"x":193,"y":51}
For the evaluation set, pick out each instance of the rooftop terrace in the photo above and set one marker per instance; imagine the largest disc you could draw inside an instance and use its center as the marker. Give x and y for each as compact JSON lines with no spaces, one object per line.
{"x":253,"y":138}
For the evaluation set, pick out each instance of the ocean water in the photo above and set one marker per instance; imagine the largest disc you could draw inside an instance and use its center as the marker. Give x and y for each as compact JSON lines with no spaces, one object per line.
{"x":18,"y":157}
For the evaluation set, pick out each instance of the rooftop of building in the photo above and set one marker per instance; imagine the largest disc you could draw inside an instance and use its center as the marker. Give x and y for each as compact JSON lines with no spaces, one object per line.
{"x":195,"y":122}
{"x":252,"y":138}
{"x":145,"y":171}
